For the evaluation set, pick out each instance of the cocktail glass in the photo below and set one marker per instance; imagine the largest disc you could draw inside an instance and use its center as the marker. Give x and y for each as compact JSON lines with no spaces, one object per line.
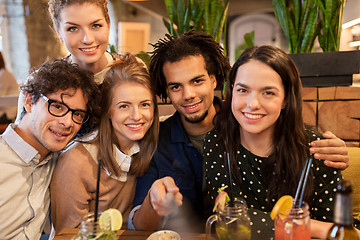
{"x":232,"y":223}
{"x":91,"y":230}
{"x":295,"y":226}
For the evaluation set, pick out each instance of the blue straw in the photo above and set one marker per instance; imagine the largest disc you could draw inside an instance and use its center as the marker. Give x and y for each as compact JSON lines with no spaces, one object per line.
{"x":299,"y":184}
{"x":302,"y":182}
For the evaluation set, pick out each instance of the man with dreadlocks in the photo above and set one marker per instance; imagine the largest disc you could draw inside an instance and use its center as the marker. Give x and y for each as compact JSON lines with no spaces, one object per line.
{"x":187,"y":70}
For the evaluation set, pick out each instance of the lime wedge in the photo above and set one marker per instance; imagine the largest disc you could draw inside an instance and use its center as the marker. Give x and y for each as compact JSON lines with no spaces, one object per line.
{"x":111,"y":219}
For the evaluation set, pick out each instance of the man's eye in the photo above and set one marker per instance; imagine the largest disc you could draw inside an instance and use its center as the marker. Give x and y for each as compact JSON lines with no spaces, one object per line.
{"x":175,"y":87}
{"x":79,"y":114}
{"x":57,"y":106}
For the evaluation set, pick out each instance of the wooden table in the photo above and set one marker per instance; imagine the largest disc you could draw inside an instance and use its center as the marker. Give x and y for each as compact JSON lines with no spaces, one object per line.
{"x":67,"y":233}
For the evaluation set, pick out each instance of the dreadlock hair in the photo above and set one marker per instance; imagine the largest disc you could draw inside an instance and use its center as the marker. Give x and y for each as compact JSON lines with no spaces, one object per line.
{"x":191,"y":43}
{"x":290,"y":141}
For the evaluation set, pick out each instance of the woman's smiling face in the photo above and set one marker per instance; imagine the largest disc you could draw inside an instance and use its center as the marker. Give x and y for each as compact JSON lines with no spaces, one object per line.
{"x":86,"y":36}
{"x":131,"y":112}
{"x":258,"y":98}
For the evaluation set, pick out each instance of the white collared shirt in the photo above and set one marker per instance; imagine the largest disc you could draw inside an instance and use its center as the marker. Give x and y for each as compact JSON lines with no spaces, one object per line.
{"x":24,"y":187}
{"x":122,"y":159}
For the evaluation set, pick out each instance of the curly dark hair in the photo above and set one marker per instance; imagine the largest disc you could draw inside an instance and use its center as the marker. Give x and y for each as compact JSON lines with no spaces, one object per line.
{"x":61,"y":75}
{"x":191,"y":43}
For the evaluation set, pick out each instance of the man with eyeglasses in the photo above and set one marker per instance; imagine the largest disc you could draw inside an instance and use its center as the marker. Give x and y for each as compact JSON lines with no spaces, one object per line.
{"x":59,"y":99}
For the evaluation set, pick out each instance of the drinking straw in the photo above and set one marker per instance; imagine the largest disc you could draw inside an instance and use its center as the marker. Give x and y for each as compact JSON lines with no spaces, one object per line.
{"x":306,"y":177}
{"x":97,"y":192}
{"x":227,"y":165}
{"x":302,"y":182}
{"x":299,"y":184}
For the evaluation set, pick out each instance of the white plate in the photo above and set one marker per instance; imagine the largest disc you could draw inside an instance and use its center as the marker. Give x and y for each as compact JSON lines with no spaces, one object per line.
{"x":164,"y":235}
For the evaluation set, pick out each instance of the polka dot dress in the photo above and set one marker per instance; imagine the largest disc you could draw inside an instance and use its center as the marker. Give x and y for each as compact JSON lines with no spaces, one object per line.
{"x":254,"y":187}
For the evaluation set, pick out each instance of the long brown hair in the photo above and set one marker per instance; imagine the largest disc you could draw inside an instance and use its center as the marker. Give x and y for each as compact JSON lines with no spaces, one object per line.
{"x":127,"y":69}
{"x":290,"y":142}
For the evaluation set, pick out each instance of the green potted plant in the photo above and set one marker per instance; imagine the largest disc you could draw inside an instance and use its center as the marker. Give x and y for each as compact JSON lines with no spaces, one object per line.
{"x":303,"y":22}
{"x":298,"y":19}
{"x":201,"y":15}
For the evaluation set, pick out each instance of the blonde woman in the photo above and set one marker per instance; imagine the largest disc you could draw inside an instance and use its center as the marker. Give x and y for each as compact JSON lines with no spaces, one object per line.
{"x":125,"y":141}
{"x":85,"y":36}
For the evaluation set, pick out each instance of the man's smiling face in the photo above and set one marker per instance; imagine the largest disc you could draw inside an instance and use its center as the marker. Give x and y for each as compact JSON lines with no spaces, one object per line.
{"x":190,"y":88}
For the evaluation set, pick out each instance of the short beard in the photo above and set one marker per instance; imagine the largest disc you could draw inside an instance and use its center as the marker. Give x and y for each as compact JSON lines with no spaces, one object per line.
{"x":197,"y":120}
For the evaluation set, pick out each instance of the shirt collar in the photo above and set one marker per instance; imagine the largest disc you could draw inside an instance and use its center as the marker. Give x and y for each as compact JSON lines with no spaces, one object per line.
{"x":124,"y":160}
{"x":24,"y":150}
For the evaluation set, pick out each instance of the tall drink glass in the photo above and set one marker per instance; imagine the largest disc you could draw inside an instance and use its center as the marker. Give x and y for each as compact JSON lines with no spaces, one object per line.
{"x":295,"y":226}
{"x":91,"y":230}
{"x":232,"y":223}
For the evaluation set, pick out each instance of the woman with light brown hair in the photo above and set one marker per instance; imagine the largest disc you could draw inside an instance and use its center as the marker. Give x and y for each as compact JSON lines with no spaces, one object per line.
{"x":85,"y":36}
{"x":125,"y":141}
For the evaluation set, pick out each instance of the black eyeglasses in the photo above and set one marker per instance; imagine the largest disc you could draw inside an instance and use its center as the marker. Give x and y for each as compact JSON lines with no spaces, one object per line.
{"x":59,"y":109}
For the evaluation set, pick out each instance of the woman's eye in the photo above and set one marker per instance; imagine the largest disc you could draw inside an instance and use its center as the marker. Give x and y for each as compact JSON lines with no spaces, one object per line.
{"x":241,"y":90}
{"x":269,"y":93}
{"x":123,"y":106}
{"x":72,"y":29}
{"x":146,"y":104}
{"x":97,"y":26}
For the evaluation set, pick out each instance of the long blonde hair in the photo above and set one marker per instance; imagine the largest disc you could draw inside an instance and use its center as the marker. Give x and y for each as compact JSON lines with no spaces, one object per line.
{"x":127,"y":69}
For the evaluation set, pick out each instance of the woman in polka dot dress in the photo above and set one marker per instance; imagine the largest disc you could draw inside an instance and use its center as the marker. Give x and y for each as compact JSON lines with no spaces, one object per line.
{"x":260,"y":125}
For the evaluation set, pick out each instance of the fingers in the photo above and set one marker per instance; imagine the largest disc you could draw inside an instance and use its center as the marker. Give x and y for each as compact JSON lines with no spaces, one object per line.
{"x":330,"y":141}
{"x":332,"y":150}
{"x":336,"y":157}
{"x":341,"y":165}
{"x":170,"y":185}
{"x":329,"y":134}
{"x":165,"y":196}
{"x":320,"y":152}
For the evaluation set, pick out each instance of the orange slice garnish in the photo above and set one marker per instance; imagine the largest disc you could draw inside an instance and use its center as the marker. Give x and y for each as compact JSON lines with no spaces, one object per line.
{"x":283,"y":206}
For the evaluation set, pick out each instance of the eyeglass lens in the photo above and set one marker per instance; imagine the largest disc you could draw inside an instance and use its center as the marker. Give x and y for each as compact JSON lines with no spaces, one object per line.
{"x":60,"y":110}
